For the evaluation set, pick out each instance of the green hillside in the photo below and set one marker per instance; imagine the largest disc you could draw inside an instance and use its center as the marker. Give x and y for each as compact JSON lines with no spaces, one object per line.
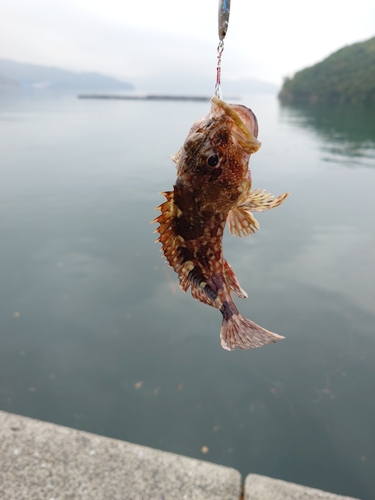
{"x":347,"y":75}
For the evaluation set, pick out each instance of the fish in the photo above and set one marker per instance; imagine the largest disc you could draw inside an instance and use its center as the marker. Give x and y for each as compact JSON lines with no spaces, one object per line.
{"x":213,"y":188}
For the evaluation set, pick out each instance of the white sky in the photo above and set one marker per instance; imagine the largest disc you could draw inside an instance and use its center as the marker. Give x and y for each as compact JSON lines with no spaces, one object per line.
{"x":131,"y":39}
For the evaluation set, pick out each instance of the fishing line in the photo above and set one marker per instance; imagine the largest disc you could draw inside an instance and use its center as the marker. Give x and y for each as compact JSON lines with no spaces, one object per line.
{"x":218,"y":92}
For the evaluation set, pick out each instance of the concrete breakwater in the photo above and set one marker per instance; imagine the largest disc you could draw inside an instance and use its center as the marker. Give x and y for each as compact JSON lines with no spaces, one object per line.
{"x":40,"y":460}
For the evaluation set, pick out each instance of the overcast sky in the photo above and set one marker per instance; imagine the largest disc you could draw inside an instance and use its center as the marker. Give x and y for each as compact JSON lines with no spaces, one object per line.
{"x":133,"y":39}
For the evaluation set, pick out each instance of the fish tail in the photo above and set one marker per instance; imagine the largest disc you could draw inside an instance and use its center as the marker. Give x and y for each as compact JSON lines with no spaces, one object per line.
{"x":238,"y":331}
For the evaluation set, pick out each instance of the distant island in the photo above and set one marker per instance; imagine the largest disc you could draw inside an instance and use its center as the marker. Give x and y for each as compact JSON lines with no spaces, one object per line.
{"x":346,"y":76}
{"x":15,"y":75}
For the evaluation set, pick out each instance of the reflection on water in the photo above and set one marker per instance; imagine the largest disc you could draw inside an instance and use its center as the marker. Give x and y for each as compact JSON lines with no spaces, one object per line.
{"x":348,"y":131}
{"x":96,"y":335}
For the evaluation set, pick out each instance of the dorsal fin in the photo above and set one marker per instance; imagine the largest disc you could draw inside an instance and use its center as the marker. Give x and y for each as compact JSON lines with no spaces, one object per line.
{"x":165,"y":229}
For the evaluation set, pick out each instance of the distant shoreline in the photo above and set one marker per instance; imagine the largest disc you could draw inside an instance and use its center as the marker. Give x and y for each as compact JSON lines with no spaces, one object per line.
{"x":150,"y":97}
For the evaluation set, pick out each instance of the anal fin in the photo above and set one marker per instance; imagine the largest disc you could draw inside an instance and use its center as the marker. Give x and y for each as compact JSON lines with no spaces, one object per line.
{"x":233,"y":281}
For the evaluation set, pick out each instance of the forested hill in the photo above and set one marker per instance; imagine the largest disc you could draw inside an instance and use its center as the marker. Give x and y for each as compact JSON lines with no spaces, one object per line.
{"x":346,"y":76}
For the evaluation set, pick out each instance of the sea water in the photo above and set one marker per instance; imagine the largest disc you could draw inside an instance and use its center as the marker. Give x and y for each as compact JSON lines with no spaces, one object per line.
{"x":96,"y":335}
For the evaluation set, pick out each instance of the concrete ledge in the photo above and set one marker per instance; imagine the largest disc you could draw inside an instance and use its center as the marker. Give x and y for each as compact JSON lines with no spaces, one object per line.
{"x":39,"y":460}
{"x":265,"y":488}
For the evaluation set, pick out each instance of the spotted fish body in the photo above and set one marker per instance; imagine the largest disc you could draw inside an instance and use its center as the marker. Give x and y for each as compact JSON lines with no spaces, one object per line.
{"x":213,"y":187}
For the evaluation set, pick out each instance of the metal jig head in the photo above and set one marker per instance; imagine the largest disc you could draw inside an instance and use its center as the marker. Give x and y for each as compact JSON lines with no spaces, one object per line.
{"x":224,"y":9}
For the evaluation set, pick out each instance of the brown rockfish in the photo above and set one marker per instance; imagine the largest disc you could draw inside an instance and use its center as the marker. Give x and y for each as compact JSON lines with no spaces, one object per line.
{"x":213,"y":186}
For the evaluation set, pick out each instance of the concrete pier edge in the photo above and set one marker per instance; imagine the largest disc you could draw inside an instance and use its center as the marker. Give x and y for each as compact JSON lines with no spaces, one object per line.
{"x":40,"y":460}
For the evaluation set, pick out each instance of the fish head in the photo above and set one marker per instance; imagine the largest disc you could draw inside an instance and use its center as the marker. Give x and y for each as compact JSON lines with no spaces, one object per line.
{"x":214,"y":159}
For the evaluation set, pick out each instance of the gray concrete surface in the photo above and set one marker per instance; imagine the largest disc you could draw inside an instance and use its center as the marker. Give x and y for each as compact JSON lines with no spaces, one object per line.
{"x":43,"y":461}
{"x":265,"y":488}
{"x":39,"y":460}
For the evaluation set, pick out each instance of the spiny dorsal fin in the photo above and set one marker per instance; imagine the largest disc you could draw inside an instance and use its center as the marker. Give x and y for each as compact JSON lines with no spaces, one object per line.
{"x":166,"y":227}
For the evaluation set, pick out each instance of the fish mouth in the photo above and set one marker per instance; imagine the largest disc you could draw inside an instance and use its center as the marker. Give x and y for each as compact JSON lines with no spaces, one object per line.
{"x":244,"y":137}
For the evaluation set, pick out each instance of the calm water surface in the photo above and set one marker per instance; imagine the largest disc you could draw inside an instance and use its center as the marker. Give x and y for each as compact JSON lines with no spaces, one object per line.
{"x":96,"y":335}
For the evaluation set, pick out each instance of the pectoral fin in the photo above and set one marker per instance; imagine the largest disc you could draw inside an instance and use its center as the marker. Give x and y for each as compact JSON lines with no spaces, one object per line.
{"x":241,"y":222}
{"x":260,"y":201}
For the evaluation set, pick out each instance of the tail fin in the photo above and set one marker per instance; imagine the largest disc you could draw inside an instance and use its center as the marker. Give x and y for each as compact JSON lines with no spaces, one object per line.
{"x":238,"y":331}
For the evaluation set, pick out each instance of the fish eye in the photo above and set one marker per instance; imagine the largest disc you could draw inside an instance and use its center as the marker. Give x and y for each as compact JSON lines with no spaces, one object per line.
{"x":213,"y":160}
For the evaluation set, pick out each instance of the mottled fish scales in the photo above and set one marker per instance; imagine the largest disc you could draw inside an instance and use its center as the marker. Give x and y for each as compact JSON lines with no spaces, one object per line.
{"x":213,"y":186}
